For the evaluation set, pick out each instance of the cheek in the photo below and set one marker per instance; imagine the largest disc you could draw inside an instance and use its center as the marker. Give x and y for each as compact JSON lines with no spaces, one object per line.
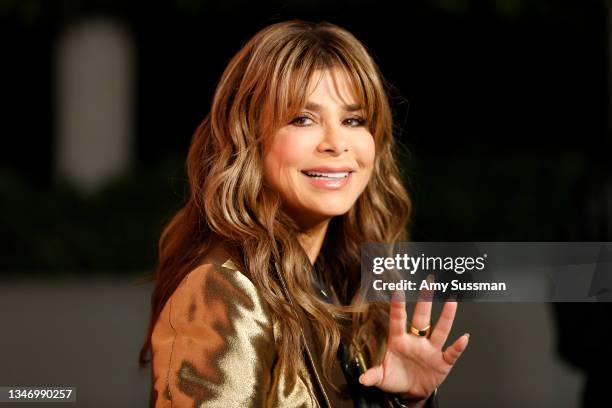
{"x":365,"y":150}
{"x":283,"y":157}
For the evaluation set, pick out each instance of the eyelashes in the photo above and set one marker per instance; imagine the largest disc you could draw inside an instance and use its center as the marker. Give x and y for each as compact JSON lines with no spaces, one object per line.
{"x":359,"y":121}
{"x":299,"y":120}
{"x":302,"y":121}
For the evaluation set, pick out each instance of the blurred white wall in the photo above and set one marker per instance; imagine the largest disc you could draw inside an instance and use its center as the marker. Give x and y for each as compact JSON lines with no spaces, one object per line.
{"x":94,"y":88}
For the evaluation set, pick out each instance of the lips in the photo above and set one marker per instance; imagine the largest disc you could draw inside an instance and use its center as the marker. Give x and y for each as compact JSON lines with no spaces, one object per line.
{"x":329,"y":178}
{"x":328,"y":173}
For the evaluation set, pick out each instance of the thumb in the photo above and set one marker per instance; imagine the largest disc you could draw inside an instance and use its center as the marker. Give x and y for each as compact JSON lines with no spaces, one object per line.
{"x":372,"y":376}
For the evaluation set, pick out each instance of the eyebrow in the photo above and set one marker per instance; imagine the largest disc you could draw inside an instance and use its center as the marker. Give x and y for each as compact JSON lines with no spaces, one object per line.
{"x":317,"y":108}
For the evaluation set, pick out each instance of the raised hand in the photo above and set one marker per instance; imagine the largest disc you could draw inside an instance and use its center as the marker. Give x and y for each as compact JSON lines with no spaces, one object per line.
{"x":414,"y":366}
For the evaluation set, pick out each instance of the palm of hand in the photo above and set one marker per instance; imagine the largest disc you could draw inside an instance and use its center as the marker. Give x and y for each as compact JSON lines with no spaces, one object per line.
{"x":415,"y":366}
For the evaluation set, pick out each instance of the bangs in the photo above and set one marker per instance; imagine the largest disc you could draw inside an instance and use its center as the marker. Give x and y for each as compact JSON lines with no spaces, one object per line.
{"x":300,"y":72}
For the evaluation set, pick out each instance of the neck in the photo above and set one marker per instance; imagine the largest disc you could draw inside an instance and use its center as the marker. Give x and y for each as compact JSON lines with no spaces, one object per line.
{"x":312,"y":238}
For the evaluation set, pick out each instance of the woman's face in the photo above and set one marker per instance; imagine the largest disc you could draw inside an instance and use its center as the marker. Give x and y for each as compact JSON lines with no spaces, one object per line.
{"x":322,"y":160}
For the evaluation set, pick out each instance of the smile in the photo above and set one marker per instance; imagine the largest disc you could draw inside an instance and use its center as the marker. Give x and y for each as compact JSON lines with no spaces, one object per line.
{"x":328,"y":181}
{"x":335,"y":176}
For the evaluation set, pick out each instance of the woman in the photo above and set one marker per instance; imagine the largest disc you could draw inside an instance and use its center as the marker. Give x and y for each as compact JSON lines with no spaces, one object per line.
{"x":256,"y":300}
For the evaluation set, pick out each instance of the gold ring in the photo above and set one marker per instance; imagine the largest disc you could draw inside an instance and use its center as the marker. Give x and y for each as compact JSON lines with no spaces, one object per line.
{"x":425,"y":332}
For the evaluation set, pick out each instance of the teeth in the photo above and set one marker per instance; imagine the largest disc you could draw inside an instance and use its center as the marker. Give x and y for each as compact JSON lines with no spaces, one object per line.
{"x":339,"y":175}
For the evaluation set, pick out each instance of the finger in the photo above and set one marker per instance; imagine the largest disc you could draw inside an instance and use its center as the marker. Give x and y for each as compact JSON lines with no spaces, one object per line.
{"x":372,"y":376}
{"x":421,"y":317}
{"x":444,"y":324}
{"x":397,"y":314}
{"x":453,"y":352}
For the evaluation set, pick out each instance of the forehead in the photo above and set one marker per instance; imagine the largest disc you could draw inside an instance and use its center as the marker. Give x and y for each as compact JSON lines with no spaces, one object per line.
{"x":332,"y":85}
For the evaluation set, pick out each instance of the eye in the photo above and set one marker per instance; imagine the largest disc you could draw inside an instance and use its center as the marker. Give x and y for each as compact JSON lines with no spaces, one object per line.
{"x":356,"y":121}
{"x":301,"y":120}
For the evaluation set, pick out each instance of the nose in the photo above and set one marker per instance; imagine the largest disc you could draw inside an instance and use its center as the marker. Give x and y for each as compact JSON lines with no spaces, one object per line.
{"x":335,"y":141}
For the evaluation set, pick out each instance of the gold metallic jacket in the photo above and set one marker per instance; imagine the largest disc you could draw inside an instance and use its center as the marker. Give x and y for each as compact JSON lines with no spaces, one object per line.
{"x":215,"y":345}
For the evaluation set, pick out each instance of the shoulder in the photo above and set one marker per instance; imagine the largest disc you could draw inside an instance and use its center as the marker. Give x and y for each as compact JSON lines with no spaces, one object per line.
{"x":214,"y":322}
{"x":217,"y":282}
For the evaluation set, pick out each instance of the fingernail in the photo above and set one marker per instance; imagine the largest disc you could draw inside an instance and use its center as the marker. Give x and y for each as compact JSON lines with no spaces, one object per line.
{"x":467,"y":335}
{"x":361,"y":378}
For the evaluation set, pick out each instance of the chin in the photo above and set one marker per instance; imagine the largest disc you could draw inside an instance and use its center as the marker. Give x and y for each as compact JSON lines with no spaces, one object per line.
{"x":333,"y":211}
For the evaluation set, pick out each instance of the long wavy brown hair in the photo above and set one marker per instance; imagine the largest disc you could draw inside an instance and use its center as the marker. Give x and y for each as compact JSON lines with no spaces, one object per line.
{"x":262,"y":88}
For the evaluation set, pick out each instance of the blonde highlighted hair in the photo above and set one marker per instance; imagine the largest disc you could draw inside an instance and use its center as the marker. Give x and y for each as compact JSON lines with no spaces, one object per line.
{"x":263,"y":85}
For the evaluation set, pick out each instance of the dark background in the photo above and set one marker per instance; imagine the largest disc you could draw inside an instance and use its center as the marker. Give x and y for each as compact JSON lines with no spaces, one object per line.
{"x":502,"y":105}
{"x":502,"y":108}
